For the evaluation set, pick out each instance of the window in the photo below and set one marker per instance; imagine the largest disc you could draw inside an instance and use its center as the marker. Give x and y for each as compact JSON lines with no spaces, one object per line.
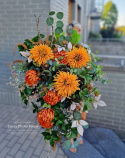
{"x":78,"y":14}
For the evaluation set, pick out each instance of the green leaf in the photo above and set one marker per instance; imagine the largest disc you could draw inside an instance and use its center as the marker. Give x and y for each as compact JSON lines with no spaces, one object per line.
{"x":42,"y":36}
{"x":52,"y":141}
{"x":35,"y":39}
{"x":74,"y":132}
{"x":70,"y":31}
{"x":59,"y":15}
{"x":58,"y":30}
{"x":68,"y":38}
{"x":59,"y":24}
{"x":47,"y":137}
{"x":75,"y":37}
{"x":81,"y":94}
{"x":76,"y":144}
{"x":34,"y":110}
{"x":49,"y":21}
{"x":27,"y":91}
{"x":61,"y":38}
{"x":56,"y":138}
{"x":67,"y":144}
{"x":51,"y":13}
{"x":86,"y":126}
{"x":77,"y":116}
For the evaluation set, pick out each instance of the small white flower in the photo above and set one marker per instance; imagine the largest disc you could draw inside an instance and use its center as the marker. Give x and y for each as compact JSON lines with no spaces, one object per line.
{"x":79,"y":125}
{"x":73,"y":106}
{"x":69,"y":46}
{"x":60,"y":48}
{"x":26,"y":54}
{"x":89,"y":51}
{"x":62,"y":99}
{"x":99,"y":102}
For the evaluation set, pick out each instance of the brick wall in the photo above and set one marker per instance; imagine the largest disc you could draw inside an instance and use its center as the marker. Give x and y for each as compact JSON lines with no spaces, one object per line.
{"x":17,"y":22}
{"x":112,"y":116}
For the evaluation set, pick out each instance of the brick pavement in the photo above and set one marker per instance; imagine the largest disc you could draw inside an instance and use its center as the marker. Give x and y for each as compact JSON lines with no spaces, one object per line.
{"x":19,"y":142}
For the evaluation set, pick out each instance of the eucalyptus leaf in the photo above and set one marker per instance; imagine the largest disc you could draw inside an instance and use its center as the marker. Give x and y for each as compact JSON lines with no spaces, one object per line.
{"x":76,"y":144}
{"x":58,"y":30}
{"x":49,"y":21}
{"x":68,"y":38}
{"x":67,"y":144}
{"x":51,"y":13}
{"x":59,"y":15}
{"x":59,"y":24}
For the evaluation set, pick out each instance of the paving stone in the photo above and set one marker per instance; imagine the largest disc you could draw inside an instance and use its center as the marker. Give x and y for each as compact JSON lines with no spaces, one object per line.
{"x":26,"y":145}
{"x":12,"y":142}
{"x":39,"y":149}
{"x":4,"y":152}
{"x":3,"y":144}
{"x":14,"y":149}
{"x":19,"y":154}
{"x":43,"y":154}
{"x":28,"y":153}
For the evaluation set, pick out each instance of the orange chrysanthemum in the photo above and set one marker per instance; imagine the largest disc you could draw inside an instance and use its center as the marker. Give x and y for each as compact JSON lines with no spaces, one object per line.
{"x":78,"y":57}
{"x":52,"y":98}
{"x":44,"y":117}
{"x":66,"y":84}
{"x":61,"y":56}
{"x":31,"y":78}
{"x":41,"y":53}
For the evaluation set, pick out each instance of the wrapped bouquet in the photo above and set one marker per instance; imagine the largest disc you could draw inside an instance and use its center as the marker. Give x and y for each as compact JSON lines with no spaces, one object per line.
{"x":57,"y":74}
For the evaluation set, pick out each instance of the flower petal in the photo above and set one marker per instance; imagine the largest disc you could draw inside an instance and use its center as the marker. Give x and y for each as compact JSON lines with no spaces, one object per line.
{"x":80,"y":129}
{"x":25,"y":54}
{"x":97,"y":97}
{"x":62,"y":99}
{"x":74,"y":124}
{"x":29,"y":60}
{"x":73,"y":106}
{"x":69,"y":45}
{"x":101,"y":103}
{"x":95,"y":104}
{"x":83,"y":123}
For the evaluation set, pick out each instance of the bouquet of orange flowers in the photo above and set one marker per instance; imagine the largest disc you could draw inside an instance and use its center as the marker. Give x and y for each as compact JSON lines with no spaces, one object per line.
{"x":58,"y":73}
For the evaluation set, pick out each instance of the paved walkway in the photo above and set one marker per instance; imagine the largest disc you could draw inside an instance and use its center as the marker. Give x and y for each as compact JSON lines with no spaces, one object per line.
{"x":19,"y":141}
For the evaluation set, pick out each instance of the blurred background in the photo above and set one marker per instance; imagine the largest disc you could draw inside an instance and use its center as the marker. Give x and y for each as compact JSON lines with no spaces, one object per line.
{"x":103,"y":26}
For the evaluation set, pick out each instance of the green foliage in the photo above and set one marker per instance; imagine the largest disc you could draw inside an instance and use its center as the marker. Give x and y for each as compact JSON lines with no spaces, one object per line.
{"x":70,"y":31}
{"x":49,"y":21}
{"x":35,"y":108}
{"x":51,"y":13}
{"x":68,"y":38}
{"x":77,"y":116}
{"x":59,"y":15}
{"x":67,"y":144}
{"x":59,"y":24}
{"x":110,"y":15}
{"x":61,"y":38}
{"x":76,"y":144}
{"x":75,"y":37}
{"x":58,"y":30}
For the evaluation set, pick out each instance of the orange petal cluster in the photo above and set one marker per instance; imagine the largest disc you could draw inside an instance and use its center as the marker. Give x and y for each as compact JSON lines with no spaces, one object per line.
{"x":52,"y":98}
{"x":66,"y":83}
{"x":44,"y":117}
{"x":41,"y":53}
{"x":61,"y":56}
{"x":31,"y":78}
{"x":77,"y":58}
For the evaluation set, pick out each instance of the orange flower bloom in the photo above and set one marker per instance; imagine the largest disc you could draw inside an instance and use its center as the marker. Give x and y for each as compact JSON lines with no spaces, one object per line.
{"x":78,"y":57}
{"x":52,"y":98}
{"x":44,"y":117}
{"x":31,"y":78}
{"x":61,"y":56}
{"x":66,"y":83}
{"x":41,"y":53}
